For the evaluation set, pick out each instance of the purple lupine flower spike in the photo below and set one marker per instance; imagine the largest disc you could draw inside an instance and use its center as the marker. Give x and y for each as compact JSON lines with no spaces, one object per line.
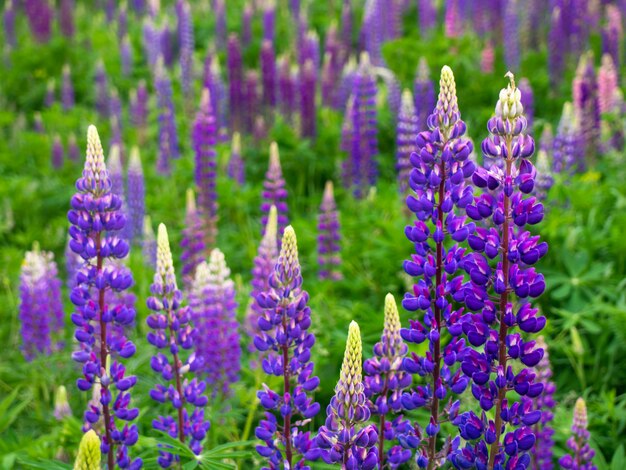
{"x":585,"y":91}
{"x":487,"y":58}
{"x":73,"y":152}
{"x":39,"y":14}
{"x":8,"y":21}
{"x":168,"y":134}
{"x":582,"y":454}
{"x":148,"y":242}
{"x":268,"y":74}
{"x":66,"y":18}
{"x":50,"y":98}
{"x":246,"y":25}
{"x":250,"y":99}
{"x":41,"y":309}
{"x":192,"y":243}
{"x":502,"y":283}
{"x":608,"y":82}
{"x":544,"y":180}
{"x":269,"y":20}
{"x":186,"y":44}
{"x":150,"y":41}
{"x":166,"y":50}
{"x":527,"y":101}
{"x":116,"y":175}
{"x":102,"y":90}
{"x":274,"y":191}
{"x":345,"y":438}
{"x":423,"y":93}
{"x":308,"y":88}
{"x":384,"y":382}
{"x":236,"y":168}
{"x":38,"y":123}
{"x":284,"y":322}
{"x":541,"y":454}
{"x":126,"y":56}
{"x":612,"y":34}
{"x":67,"y":89}
{"x":204,"y":137}
{"x":235,"y":82}
{"x":441,"y":165}
{"x":221,"y":29}
{"x":172,"y":331}
{"x":213,"y":81}
{"x":512,"y":36}
{"x":139,"y":109}
{"x":122,"y":21}
{"x":286,"y":88}
{"x":566,"y":154}
{"x":214,"y":311}
{"x":136,"y":201}
{"x":328,"y":248}
{"x":427,"y":16}
{"x":57,"y":152}
{"x":406,"y":134}
{"x":453,"y":21}
{"x":557,"y":46}
{"x":95,"y":220}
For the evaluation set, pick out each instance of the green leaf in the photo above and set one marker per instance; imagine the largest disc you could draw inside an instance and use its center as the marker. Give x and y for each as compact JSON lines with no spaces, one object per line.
{"x":618,"y":461}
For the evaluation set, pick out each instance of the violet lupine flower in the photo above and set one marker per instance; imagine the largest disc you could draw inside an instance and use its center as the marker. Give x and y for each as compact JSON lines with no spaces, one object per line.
{"x":57,"y":152}
{"x":67,"y":89}
{"x":453,"y":24}
{"x":544,"y":180}
{"x":385,"y":381}
{"x":250,"y":99}
{"x":122,"y":21}
{"x":423,"y":93}
{"x":168,"y":135}
{"x":406,"y":134}
{"x":566,"y":151}
{"x":236,"y":168}
{"x":582,"y":454}
{"x":136,"y":201}
{"x":344,"y":88}
{"x":139,"y":109}
{"x":126,"y":56}
{"x":151,"y":41}
{"x":235,"y":82}
{"x":192,"y":243}
{"x":612,"y":34}
{"x":41,"y":309}
{"x":95,"y":219}
{"x":607,"y":84}
{"x":310,"y":50}
{"x":502,"y":295}
{"x":66,"y":18}
{"x":527,"y":101}
{"x":116,"y":175}
{"x":328,"y":248}
{"x":268,"y":74}
{"x":109,"y":10}
{"x":214,"y":311}
{"x":274,"y":191}
{"x":186,"y":44}
{"x":372,"y":31}
{"x":585,"y":91}
{"x":173,"y":331}
{"x":39,"y":14}
{"x":204,"y":137}
{"x":346,"y":26}
{"x":345,"y":438}
{"x":102,"y":90}
{"x":8,"y":21}
{"x":541,"y":454}
{"x":73,"y":152}
{"x":49,"y":98}
{"x":246,"y":25}
{"x":138,"y":6}
{"x":308,"y":89}
{"x":284,"y":324}
{"x":287,"y":80}
{"x":166,"y":50}
{"x":557,"y":47}
{"x":487,"y":58}
{"x":148,"y":242}
{"x":221,"y":29}
{"x":511,"y":37}
{"x":269,"y":20}
{"x":217,"y":89}
{"x":440,"y":166}
{"x":427,"y":16}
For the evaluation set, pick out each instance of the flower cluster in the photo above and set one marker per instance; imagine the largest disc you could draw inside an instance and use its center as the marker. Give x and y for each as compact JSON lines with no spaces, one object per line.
{"x":406,"y":134}
{"x":186,"y":44}
{"x":328,"y":247}
{"x":582,"y":453}
{"x":136,"y":198}
{"x":95,"y":220}
{"x":236,"y":167}
{"x":274,"y":191}
{"x":542,"y":452}
{"x":192,"y":243}
{"x":168,"y":134}
{"x":423,"y":93}
{"x":173,"y":332}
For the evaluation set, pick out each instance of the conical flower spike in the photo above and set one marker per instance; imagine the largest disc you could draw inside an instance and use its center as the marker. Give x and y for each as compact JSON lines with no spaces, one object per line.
{"x":88,"y":457}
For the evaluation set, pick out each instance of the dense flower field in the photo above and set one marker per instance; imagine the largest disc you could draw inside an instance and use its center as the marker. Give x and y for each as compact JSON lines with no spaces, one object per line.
{"x":290,"y":234}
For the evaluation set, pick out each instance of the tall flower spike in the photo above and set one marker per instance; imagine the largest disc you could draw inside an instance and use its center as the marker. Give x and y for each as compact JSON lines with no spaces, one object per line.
{"x":235,"y":82}
{"x":148,"y":242}
{"x":126,"y":56}
{"x":607,"y":84}
{"x":57,"y":152}
{"x":186,"y":44}
{"x":274,"y":191}
{"x":88,"y":457}
{"x":405,"y":140}
{"x":385,"y":381}
{"x":172,"y":331}
{"x":102,"y":90}
{"x":62,"y":407}
{"x":192,"y":243}
{"x":328,"y":248}
{"x":95,"y":219}
{"x":236,"y":168}
{"x":567,"y":152}
{"x":168,"y":135}
{"x":287,"y":343}
{"x":345,"y":438}
{"x":423,"y":93}
{"x":308,"y":90}
{"x":136,"y":201}
{"x":139,"y":109}
{"x":67,"y":89}
{"x":268,"y":74}
{"x":501,"y":286}
{"x":586,"y":105}
{"x":441,"y":165}
{"x":582,"y":454}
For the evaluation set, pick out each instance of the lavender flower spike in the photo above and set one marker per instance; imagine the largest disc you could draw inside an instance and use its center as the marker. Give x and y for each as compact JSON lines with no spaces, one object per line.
{"x":236,"y":168}
{"x":172,"y":332}
{"x":95,"y":219}
{"x":582,"y":453}
{"x":148,"y":242}
{"x":542,"y":452}
{"x":168,"y":136}
{"x":328,"y":247}
{"x":136,"y":201}
{"x":406,"y":134}
{"x":274,"y":191}
{"x":67,"y":89}
{"x":345,"y":438}
{"x":284,"y":323}
{"x":57,"y":152}
{"x":192,"y":243}
{"x":186,"y":43}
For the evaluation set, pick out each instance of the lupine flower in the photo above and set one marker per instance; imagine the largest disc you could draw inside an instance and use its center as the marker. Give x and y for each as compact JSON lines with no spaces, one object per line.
{"x":136,"y":200}
{"x":38,"y":123}
{"x":8,"y":21}
{"x":287,"y":78}
{"x":582,"y":453}
{"x":148,"y":242}
{"x":612,"y":34}
{"x":62,"y":406}
{"x":116,"y":173}
{"x":453,"y":19}
{"x":102,"y":90}
{"x":566,"y":154}
{"x":487,"y":58}
{"x":274,"y":191}
{"x":49,"y":99}
{"x":544,"y":180}
{"x":328,"y":247}
{"x":511,"y":37}
{"x":122,"y":21}
{"x":527,"y":101}
{"x":151,"y":41}
{"x":269,"y":20}
{"x":406,"y":134}
{"x":172,"y":331}
{"x":186,"y":44}
{"x":423,"y":93}
{"x":57,"y":152}
{"x":440,"y":166}
{"x":502,"y":282}
{"x":204,"y":137}
{"x":39,"y":14}
{"x":250,"y":99}
{"x":372,"y":31}
{"x":285,"y":338}
{"x":168,"y":134}
{"x":427,"y":16}
{"x":166,"y":47}
{"x":221,"y":29}
{"x":235,"y":82}
{"x":236,"y":168}
{"x":139,"y":108}
{"x":89,"y":456}
{"x":73,"y":152}
{"x":214,"y":311}
{"x":41,"y":309}
{"x":345,"y":438}
{"x":95,"y":219}
{"x":585,"y":91}
{"x":310,"y":50}
{"x":394,"y":92}
{"x":116,"y":136}
{"x":192,"y":243}
{"x":217,"y":90}
{"x":607,"y":84}
{"x":126,"y":56}
{"x":246,"y":25}
{"x":308,"y":88}
{"x":384,"y":382}
{"x":67,"y":89}
{"x":268,"y":74}
{"x":557,"y":46}
{"x":109,"y":10}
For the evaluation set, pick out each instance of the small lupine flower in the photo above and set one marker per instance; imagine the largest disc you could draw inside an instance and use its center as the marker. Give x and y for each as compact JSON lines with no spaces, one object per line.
{"x":310,"y":50}
{"x":73,"y":152}
{"x":250,"y":99}
{"x":136,"y":200}
{"x":612,"y":34}
{"x":192,"y":243}
{"x":453,"y":19}
{"x":582,"y":454}
{"x":274,"y":191}
{"x":95,"y":220}
{"x":236,"y":168}
{"x":204,"y":137}
{"x":89,"y":456}
{"x":346,"y":26}
{"x":186,"y":45}
{"x":67,"y":89}
{"x":164,"y":36}
{"x":38,"y":123}
{"x":57,"y":152}
{"x":61,"y":405}
{"x":406,"y":134}
{"x":607,"y":84}
{"x":221,"y":29}
{"x":544,"y":180}
{"x":527,"y":101}
{"x":116,"y":173}
{"x":173,"y":332}
{"x":308,"y":110}
{"x":168,"y":134}
{"x":287,"y":80}
{"x":39,"y":14}
{"x":557,"y":46}
{"x":586,"y":106}
{"x":394,"y":92}
{"x":510,"y":24}
{"x":423,"y":93}
{"x":214,"y":311}
{"x":235,"y":82}
{"x":246,"y":25}
{"x":502,"y":282}
{"x":122,"y":21}
{"x":49,"y":98}
{"x":487,"y":58}
{"x":427,"y":16}
{"x":372,"y":30}
{"x":287,"y":343}
{"x":8,"y":21}
{"x":126,"y":56}
{"x":328,"y":248}
{"x":41,"y":309}
{"x":268,"y":74}
{"x":345,"y":438}
{"x":139,"y":109}
{"x":102,"y":90}
{"x":386,"y":379}
{"x":567,"y":153}
{"x":151,"y":41}
{"x":217,"y":90}
{"x":269,"y":20}
{"x":148,"y":242}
